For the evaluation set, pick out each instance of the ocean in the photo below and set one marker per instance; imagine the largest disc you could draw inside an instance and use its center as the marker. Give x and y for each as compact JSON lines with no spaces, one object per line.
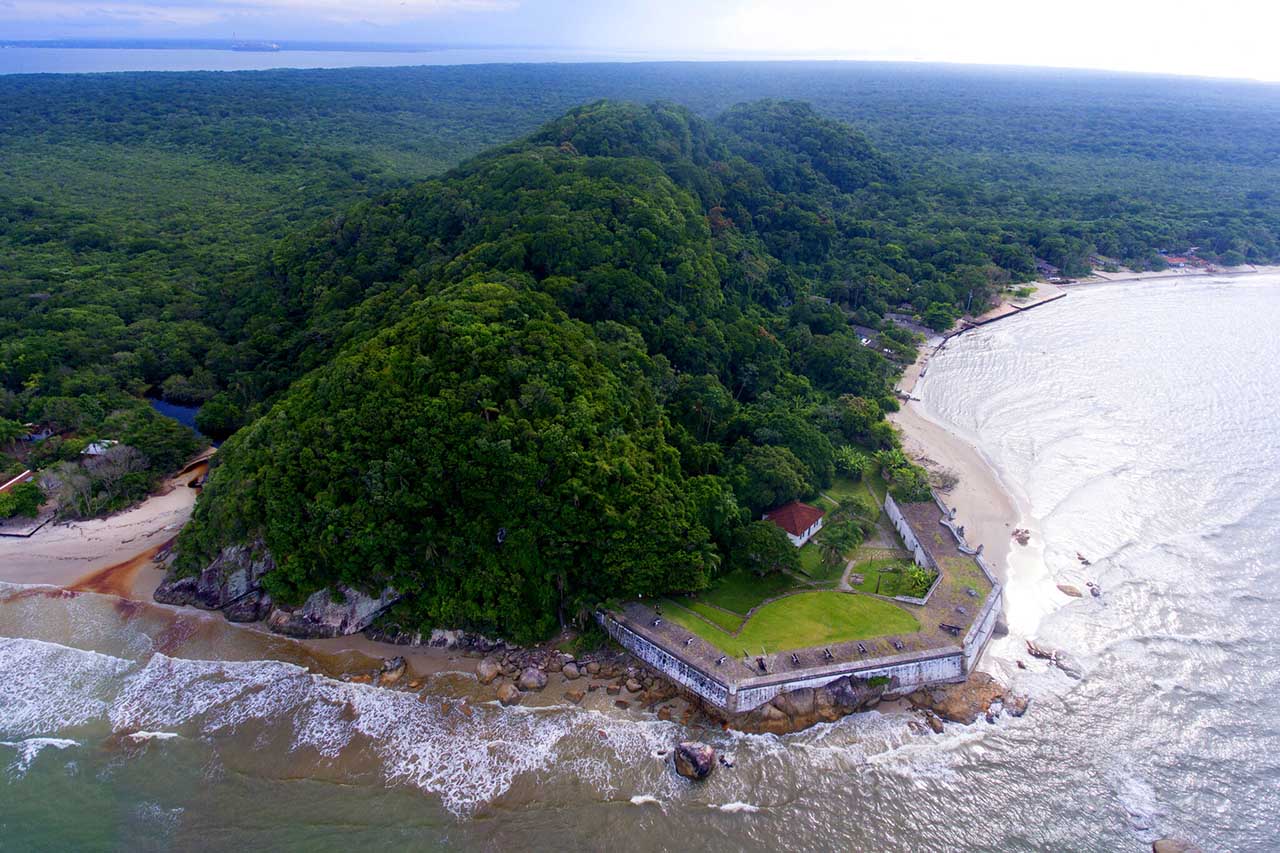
{"x":1136,"y":425}
{"x":95,"y":60}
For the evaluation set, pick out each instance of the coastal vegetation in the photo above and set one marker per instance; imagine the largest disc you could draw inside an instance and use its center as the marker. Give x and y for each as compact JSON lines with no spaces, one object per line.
{"x":578,"y":364}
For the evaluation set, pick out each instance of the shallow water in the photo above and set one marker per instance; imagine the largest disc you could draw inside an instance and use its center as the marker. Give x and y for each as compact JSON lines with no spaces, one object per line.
{"x":1137,"y":421}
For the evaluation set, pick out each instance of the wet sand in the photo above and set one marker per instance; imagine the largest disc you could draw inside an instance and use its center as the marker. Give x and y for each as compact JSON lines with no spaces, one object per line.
{"x":982,"y":502}
{"x":67,"y":554}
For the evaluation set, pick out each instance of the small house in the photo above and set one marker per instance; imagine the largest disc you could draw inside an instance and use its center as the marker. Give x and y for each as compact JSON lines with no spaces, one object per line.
{"x":800,"y":521}
{"x":99,"y":448}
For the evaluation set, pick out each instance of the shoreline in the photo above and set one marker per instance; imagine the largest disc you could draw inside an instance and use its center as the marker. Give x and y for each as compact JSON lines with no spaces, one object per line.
{"x":1098,"y":278}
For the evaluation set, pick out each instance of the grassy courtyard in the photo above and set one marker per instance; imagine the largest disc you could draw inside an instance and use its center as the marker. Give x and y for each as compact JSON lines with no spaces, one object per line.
{"x":888,"y":577}
{"x":798,"y":621}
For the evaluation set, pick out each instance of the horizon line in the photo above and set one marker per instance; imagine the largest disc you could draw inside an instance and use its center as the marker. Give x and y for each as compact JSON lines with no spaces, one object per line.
{"x":651,"y":55}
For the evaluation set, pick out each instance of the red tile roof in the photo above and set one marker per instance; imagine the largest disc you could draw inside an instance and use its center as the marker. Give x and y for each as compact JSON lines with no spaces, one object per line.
{"x":795,"y":517}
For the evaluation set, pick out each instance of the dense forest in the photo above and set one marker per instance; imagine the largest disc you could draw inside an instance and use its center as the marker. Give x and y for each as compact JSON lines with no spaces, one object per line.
{"x":652,"y":315}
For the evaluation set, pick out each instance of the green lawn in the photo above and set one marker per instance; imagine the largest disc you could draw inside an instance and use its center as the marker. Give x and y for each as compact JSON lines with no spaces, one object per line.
{"x":811,"y":559}
{"x":727,"y":621}
{"x":879,"y":577}
{"x":803,"y":620}
{"x":878,"y":486}
{"x":846,"y":487}
{"x":964,"y":572}
{"x":741,"y":591}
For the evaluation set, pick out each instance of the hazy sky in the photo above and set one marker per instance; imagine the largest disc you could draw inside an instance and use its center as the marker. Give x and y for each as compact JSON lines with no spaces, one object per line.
{"x":1230,"y":38}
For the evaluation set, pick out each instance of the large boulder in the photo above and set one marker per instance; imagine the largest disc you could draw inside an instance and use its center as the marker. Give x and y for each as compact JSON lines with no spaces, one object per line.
{"x":508,"y":694}
{"x":230,"y":583}
{"x":694,"y":759}
{"x":487,"y":670}
{"x":321,"y":616}
{"x":532,"y":679}
{"x":393,"y":669}
{"x":234,"y":573}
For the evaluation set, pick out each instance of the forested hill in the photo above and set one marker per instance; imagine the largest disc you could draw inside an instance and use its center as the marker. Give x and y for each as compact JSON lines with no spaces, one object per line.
{"x":576,"y":367}
{"x":212,"y":238}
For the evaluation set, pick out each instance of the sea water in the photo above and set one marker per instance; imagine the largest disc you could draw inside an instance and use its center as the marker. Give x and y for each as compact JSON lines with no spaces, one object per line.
{"x":1138,"y":424}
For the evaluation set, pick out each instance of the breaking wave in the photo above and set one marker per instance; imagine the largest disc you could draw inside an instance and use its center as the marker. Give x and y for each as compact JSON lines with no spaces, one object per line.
{"x":27,"y":750}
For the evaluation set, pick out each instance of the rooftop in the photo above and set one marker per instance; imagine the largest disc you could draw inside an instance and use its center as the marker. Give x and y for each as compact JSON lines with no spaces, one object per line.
{"x":795,"y":517}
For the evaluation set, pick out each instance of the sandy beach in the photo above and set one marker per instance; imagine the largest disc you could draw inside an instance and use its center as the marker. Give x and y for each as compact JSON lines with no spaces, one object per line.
{"x":124,"y":555}
{"x":103,"y":554}
{"x":982,"y":503}
{"x":1099,"y":277}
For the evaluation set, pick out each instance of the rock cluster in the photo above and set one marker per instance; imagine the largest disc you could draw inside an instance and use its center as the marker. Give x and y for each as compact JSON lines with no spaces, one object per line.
{"x":231,"y":583}
{"x":800,"y":709}
{"x":1057,"y":657}
{"x":527,"y":671}
{"x":979,"y":696}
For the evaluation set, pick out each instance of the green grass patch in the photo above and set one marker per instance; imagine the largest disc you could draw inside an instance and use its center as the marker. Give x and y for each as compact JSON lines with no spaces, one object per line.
{"x":723,"y":619}
{"x":811,"y":560}
{"x":964,"y":573}
{"x":803,"y":620}
{"x":876,"y":483}
{"x":740,"y":591}
{"x":886,"y":577}
{"x":846,"y":487}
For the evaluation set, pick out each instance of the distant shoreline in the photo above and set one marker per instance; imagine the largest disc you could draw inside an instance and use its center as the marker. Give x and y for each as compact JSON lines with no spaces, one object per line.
{"x":1167,"y":275}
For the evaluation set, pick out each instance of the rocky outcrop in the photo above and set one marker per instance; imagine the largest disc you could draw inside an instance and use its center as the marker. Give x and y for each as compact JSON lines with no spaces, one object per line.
{"x":253,"y":607}
{"x":1057,"y":657}
{"x":232,"y":584}
{"x":977,"y":697}
{"x":800,"y":709}
{"x":322,"y":616}
{"x":235,"y":573}
{"x":393,"y":669}
{"x":694,"y":759}
{"x":177,"y":591}
{"x":386,"y":629}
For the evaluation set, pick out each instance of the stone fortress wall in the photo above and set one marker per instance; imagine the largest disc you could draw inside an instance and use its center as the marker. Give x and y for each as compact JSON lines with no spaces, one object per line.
{"x":911,"y":669}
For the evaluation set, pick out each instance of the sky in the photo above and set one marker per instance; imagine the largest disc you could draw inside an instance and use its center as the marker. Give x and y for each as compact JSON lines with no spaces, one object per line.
{"x":1226,"y":38}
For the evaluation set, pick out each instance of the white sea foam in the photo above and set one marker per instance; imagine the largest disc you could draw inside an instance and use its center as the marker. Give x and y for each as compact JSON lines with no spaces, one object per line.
{"x":645,"y":800}
{"x":45,"y":687}
{"x":145,"y":736}
{"x":466,"y":761}
{"x":27,"y":750}
{"x":736,"y":807}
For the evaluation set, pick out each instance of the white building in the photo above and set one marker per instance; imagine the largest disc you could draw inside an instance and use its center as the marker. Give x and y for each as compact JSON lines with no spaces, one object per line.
{"x":800,"y":521}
